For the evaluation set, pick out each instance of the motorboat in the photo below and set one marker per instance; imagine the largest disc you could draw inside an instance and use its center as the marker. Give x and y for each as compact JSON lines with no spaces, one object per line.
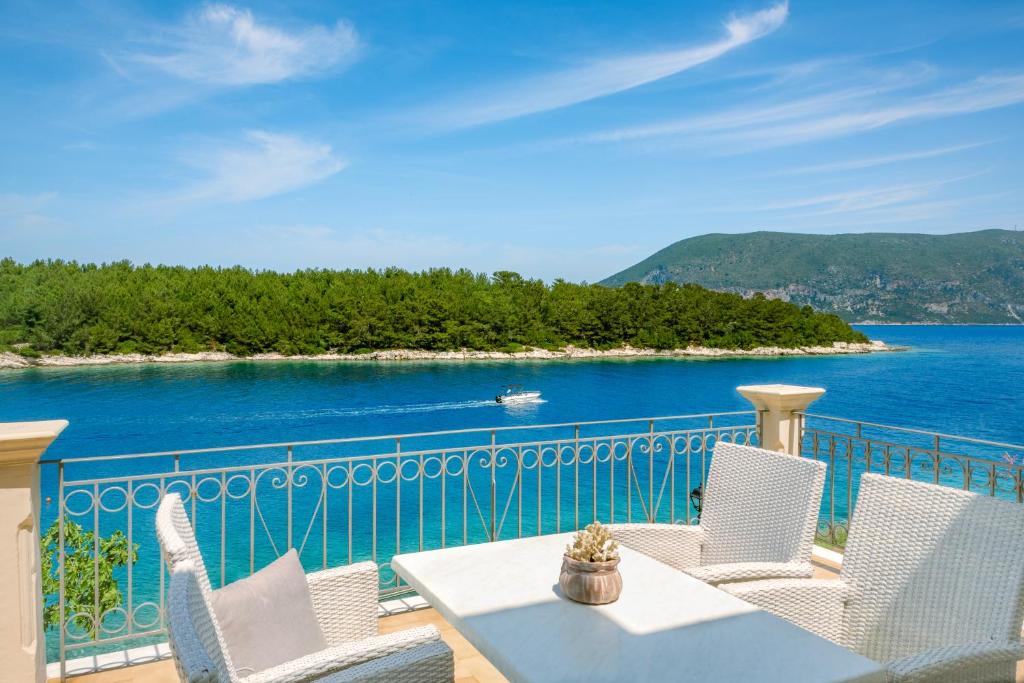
{"x":514,"y":393}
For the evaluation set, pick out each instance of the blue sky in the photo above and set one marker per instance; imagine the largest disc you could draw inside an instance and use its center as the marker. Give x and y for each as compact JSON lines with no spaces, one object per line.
{"x":558,"y":139}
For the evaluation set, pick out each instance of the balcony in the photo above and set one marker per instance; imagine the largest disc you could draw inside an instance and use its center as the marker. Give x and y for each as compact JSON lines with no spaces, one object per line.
{"x":348,"y":500}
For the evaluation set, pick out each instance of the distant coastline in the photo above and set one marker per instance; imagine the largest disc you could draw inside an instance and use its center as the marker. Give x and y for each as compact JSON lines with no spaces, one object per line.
{"x":11,"y":360}
{"x":878,"y":323}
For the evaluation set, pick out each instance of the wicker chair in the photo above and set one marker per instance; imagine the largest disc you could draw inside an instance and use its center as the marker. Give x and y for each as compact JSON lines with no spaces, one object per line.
{"x":932,"y":584}
{"x":758,"y":520}
{"x":345,"y":602}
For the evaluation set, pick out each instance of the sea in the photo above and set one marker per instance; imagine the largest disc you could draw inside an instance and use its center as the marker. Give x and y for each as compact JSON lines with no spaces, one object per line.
{"x":965,"y":380}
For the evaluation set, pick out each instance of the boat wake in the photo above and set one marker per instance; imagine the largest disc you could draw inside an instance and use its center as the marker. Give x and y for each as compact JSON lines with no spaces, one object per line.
{"x":385,"y":409}
{"x":412,"y":408}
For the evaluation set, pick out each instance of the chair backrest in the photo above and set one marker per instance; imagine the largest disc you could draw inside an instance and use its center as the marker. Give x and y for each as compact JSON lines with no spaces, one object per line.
{"x":931,"y":566}
{"x":177,"y":539}
{"x":760,"y":506}
{"x":195,"y":636}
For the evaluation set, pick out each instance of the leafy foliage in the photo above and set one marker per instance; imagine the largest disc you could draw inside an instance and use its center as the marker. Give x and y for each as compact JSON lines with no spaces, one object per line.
{"x":80,"y":573}
{"x":73,"y":308}
{"x":898,"y":277}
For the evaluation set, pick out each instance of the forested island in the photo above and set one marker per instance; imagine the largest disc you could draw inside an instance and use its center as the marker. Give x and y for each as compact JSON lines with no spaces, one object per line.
{"x":68,"y":308}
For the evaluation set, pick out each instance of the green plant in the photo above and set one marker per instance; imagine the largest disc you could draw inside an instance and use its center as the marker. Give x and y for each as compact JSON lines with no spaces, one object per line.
{"x":832,"y":536}
{"x":28,"y":352}
{"x":80,"y":573}
{"x":593,"y":544}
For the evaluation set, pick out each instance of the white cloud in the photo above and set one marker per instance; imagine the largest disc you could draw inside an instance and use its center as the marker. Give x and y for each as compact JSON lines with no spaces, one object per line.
{"x":602,"y":77}
{"x":27,"y":214}
{"x":870,"y":162}
{"x":865,"y":199}
{"x":945,"y":214}
{"x":224,"y":46}
{"x":13,"y":204}
{"x":987,"y":92}
{"x":912,"y":212}
{"x":830,"y":115}
{"x":266,"y":164}
{"x":751,"y":117}
{"x":855,"y":200}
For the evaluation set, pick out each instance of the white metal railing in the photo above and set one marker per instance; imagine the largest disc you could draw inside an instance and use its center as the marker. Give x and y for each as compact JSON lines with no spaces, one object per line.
{"x":346,"y":500}
{"x":853,"y":447}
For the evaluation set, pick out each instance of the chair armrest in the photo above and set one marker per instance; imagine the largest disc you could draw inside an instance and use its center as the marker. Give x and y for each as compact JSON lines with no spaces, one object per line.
{"x":813,"y":604}
{"x":341,"y":657}
{"x":677,"y":545}
{"x":345,"y":601}
{"x":954,"y":661}
{"x":751,"y":571}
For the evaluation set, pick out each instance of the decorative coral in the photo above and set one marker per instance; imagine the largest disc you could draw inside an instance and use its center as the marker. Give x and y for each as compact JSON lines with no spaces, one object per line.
{"x":593,"y":544}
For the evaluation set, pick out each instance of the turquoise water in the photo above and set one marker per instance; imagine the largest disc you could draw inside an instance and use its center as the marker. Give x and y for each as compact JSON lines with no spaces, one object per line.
{"x":966,"y":380}
{"x":960,"y":380}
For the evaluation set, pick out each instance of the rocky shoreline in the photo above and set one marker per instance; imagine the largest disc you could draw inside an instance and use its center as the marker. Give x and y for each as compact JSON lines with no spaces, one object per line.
{"x":14,"y":361}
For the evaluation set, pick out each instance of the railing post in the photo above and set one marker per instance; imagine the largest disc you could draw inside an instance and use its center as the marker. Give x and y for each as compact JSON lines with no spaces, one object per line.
{"x":494,"y":486}
{"x":22,"y":646}
{"x":778,"y":407}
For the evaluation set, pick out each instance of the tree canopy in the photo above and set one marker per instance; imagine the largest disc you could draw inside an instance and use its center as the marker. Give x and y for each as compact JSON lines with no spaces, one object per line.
{"x":72,"y":308}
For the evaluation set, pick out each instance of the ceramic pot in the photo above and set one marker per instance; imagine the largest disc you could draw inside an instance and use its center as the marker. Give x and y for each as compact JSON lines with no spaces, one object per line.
{"x":592,"y":583}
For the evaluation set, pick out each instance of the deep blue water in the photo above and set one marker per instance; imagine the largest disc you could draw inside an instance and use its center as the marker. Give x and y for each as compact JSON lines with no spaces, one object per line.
{"x":965,"y":380}
{"x":959,"y":380}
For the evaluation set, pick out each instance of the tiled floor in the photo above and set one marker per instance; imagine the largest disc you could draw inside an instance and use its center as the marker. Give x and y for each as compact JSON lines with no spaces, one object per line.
{"x":470,"y":665}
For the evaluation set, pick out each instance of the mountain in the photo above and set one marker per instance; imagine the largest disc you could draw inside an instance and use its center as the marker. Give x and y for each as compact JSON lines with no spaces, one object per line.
{"x":971,"y":277}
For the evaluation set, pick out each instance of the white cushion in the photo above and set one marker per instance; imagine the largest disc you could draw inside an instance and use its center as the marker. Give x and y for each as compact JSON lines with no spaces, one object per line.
{"x":268,"y":619}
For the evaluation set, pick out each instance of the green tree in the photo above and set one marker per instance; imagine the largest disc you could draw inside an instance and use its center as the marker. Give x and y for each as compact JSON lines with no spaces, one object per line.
{"x":72,"y":308}
{"x":80,"y":572}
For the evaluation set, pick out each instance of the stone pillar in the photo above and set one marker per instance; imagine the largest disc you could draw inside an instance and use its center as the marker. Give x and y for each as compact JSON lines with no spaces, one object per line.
{"x":22,"y":647}
{"x":778,"y":429}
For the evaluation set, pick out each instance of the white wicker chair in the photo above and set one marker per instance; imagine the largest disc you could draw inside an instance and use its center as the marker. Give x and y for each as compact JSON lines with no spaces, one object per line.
{"x":932,"y":584}
{"x":345,"y":602}
{"x":758,"y":520}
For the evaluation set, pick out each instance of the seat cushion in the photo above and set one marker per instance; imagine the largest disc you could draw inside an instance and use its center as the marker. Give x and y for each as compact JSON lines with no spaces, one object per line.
{"x":268,"y":619}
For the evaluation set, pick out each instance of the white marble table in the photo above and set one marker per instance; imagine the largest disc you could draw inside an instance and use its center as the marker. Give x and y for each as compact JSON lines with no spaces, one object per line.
{"x":666,"y":626}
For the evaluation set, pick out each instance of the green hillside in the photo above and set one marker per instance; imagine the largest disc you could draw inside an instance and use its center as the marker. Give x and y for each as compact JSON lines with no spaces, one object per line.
{"x":888,"y":277}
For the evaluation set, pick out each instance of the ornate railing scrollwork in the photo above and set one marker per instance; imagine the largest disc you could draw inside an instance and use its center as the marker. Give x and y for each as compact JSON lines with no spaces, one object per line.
{"x":398,"y":494}
{"x":852,"y":447}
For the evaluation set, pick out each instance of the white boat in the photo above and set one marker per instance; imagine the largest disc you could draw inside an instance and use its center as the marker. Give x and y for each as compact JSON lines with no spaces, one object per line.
{"x":514,"y":393}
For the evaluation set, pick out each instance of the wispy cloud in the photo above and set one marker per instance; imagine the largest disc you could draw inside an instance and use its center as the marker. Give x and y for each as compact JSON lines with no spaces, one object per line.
{"x":865,"y":199}
{"x":266,"y":164}
{"x":870,"y":162}
{"x":912,"y":212}
{"x":601,"y":77}
{"x":13,"y":204}
{"x":830,"y":115}
{"x":932,"y":213}
{"x":986,"y":92}
{"x":754,"y":117}
{"x":26,"y":213}
{"x":225,"y":46}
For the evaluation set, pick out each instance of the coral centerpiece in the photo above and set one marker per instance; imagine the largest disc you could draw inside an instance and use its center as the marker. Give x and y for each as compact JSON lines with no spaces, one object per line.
{"x":590,"y":567}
